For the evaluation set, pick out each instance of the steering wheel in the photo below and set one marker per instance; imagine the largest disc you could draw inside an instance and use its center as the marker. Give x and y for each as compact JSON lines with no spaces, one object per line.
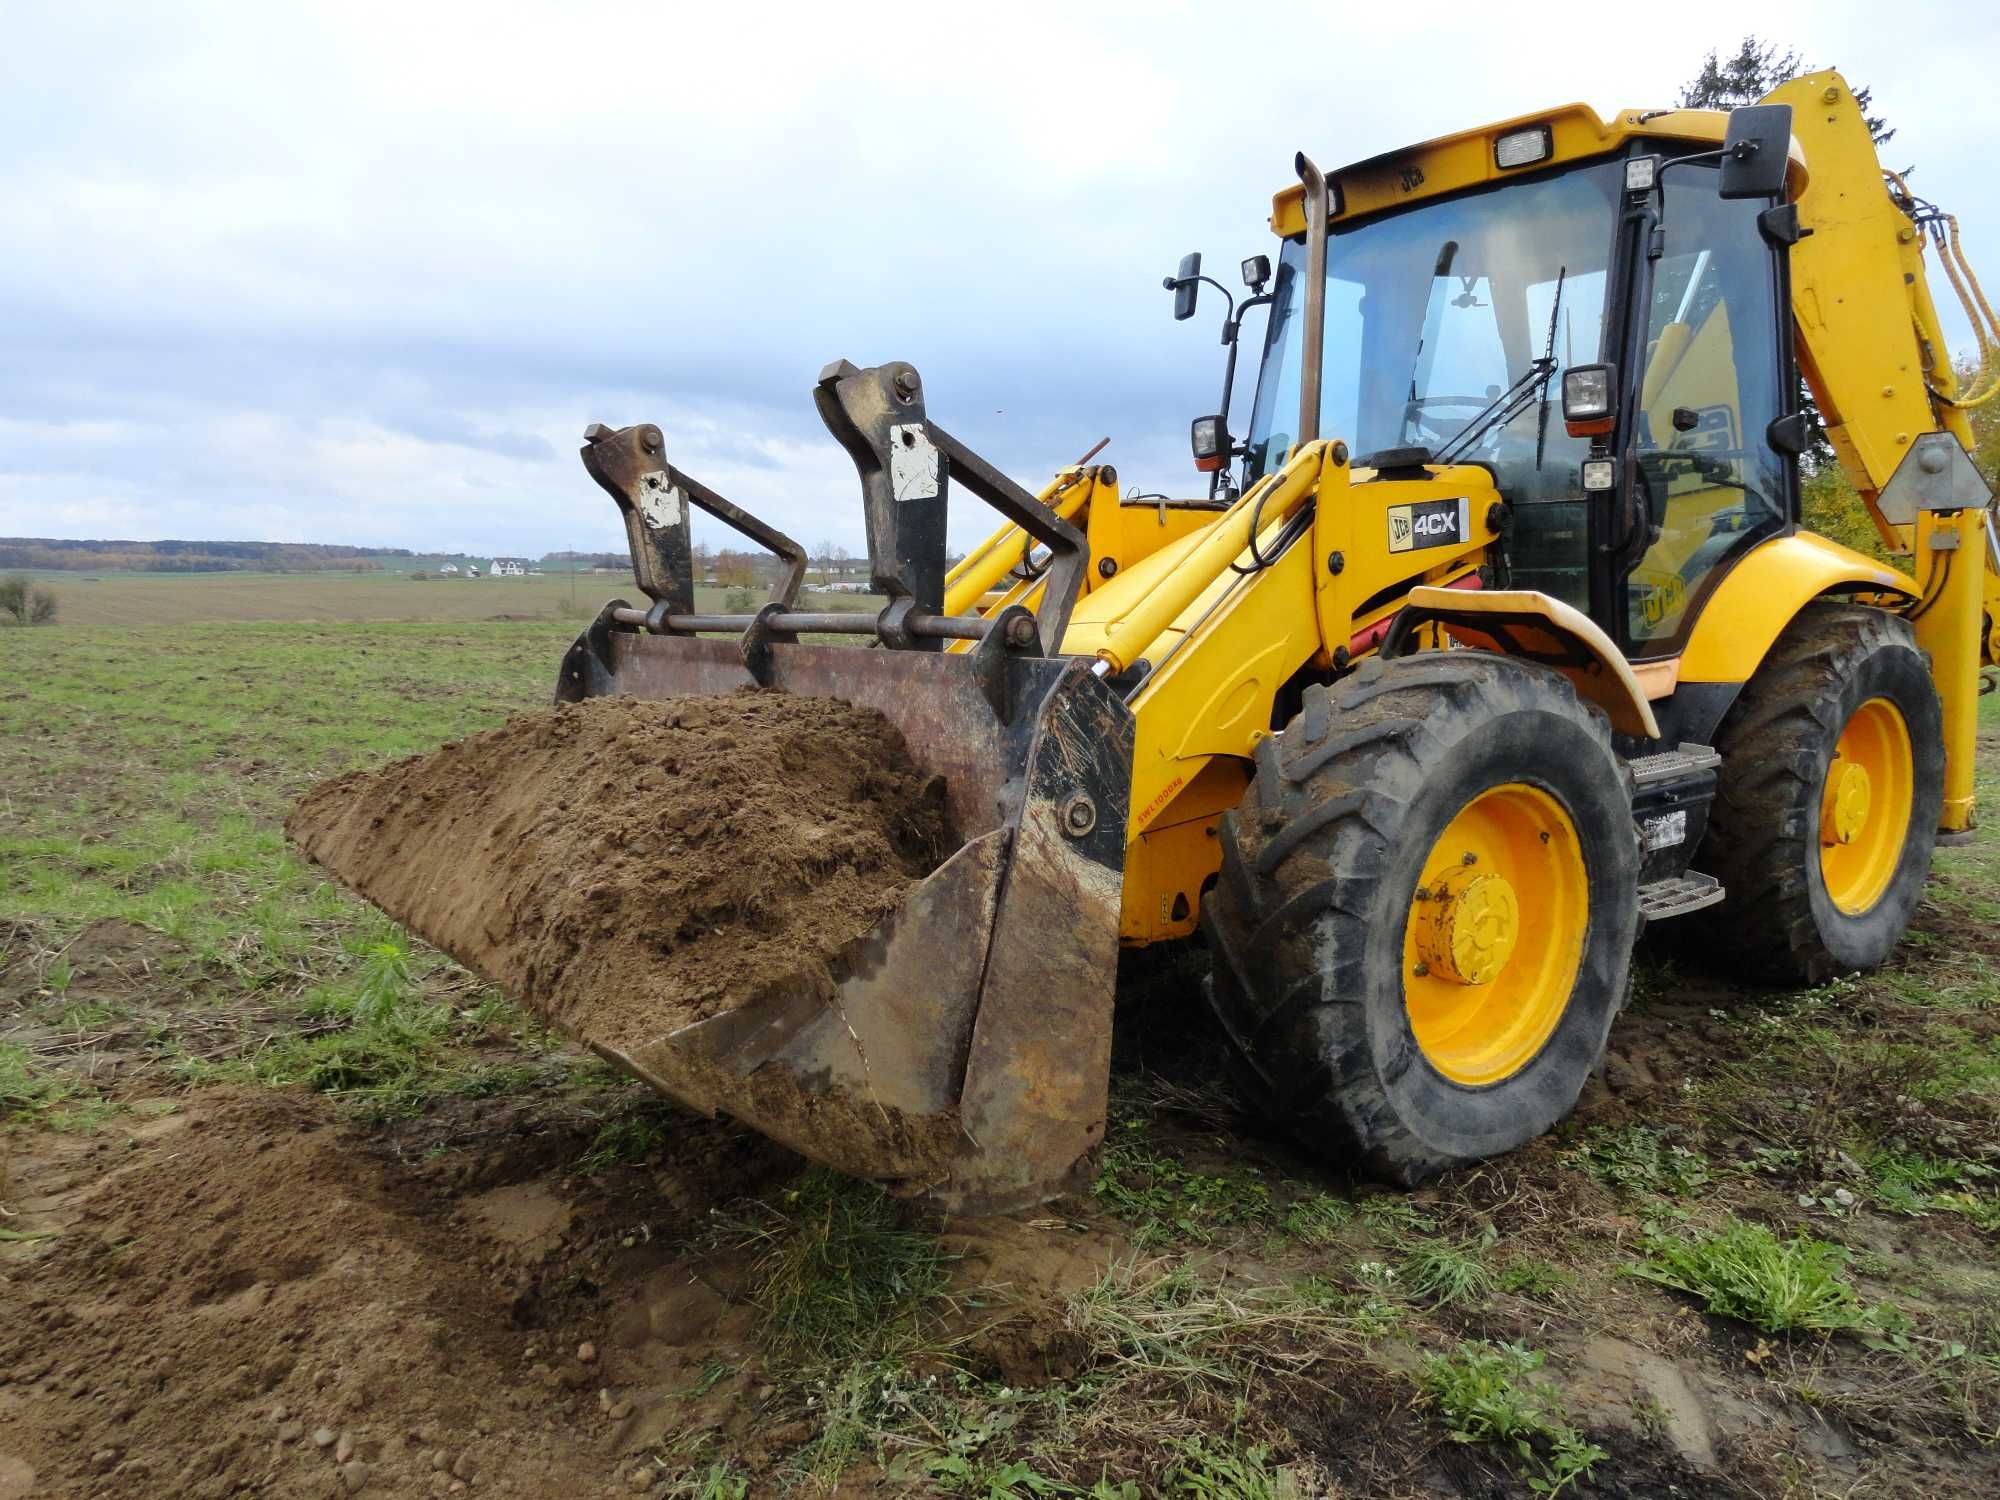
{"x":1472,"y":405}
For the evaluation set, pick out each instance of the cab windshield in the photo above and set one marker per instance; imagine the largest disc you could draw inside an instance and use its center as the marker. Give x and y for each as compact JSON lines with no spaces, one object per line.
{"x":1437,"y":313}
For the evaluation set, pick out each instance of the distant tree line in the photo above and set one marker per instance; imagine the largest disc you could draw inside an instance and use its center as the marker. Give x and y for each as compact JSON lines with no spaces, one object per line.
{"x":58,"y":554}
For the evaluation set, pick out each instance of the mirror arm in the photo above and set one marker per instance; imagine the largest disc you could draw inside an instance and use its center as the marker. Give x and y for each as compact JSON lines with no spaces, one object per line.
{"x":1235,"y":325}
{"x":1231,"y":333}
{"x":1175,"y":283}
{"x":1700,"y":158}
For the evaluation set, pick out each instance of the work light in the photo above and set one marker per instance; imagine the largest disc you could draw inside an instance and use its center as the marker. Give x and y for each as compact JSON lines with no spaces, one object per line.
{"x":1641,"y":172}
{"x":1523,"y":148}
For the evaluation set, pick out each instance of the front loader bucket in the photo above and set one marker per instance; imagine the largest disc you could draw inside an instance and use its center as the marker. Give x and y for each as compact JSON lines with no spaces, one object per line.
{"x":966,"y":1048}
{"x":959,"y":1049}
{"x":962,"y":1049}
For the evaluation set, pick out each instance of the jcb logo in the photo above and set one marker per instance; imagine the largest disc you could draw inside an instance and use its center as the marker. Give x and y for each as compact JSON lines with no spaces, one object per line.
{"x":1427,"y":523}
{"x":1662,"y":597}
{"x":1411,"y":178}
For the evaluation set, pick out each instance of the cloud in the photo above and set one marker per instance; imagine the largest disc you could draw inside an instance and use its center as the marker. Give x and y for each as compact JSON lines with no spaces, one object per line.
{"x":363,"y":272}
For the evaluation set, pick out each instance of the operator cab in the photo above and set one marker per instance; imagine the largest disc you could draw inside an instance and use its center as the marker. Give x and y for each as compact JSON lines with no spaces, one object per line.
{"x":1455,"y":309}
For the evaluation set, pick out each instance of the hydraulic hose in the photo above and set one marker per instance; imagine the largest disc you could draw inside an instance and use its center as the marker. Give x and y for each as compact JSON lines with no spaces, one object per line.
{"x":1985,"y":382}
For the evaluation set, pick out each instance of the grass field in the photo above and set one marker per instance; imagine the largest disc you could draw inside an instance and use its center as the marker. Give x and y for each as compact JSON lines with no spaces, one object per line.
{"x":197,"y":598}
{"x":1762,"y":1259}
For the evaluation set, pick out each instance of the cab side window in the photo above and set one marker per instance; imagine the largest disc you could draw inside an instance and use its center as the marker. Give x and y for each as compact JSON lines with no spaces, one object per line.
{"x":1713,"y":486}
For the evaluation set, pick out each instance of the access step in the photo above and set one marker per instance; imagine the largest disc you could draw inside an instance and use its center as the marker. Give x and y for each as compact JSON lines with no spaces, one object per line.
{"x":1678,"y":896}
{"x":1671,"y":765}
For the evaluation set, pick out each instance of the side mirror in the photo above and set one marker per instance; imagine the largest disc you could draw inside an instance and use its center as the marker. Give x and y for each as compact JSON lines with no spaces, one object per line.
{"x":1184,"y":286}
{"x":1755,"y":150}
{"x":1590,"y":394}
{"x":1210,"y":440}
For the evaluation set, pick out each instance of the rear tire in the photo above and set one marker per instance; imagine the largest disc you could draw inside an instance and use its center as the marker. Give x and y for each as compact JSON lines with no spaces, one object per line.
{"x":1803,"y":908}
{"x":1371,"y":1036}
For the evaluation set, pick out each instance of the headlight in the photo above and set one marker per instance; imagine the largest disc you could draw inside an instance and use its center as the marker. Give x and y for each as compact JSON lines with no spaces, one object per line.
{"x":1210,"y":441}
{"x":1589,"y":396}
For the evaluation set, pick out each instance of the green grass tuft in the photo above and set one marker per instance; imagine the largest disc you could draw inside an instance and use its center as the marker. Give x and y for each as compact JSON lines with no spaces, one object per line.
{"x":1746,"y":1272}
{"x":1486,"y":1393}
{"x":1169,"y":1202}
{"x":1316,"y":1219}
{"x":1213,"y":1469}
{"x":713,"y":1481}
{"x":840,"y":1274}
{"x":25,"y":1090}
{"x":1442,"y":1274}
{"x":1638,"y":1159}
{"x":630,"y":1136}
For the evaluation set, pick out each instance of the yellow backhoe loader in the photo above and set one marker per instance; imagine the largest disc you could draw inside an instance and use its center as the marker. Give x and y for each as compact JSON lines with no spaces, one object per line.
{"x":1495,"y":638}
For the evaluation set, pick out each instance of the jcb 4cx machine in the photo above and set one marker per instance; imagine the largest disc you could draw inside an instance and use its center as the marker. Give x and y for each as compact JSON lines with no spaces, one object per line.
{"x":1495,"y":638}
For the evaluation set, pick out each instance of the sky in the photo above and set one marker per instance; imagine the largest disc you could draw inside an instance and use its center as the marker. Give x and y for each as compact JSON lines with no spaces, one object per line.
{"x":363,"y":273}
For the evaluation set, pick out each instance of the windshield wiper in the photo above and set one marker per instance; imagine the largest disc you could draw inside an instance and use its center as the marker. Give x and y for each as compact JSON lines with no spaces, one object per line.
{"x":1510,"y":403}
{"x":1549,"y":358}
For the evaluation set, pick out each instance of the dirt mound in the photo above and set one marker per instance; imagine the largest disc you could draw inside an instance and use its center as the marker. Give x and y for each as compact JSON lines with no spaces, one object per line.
{"x":628,"y":868}
{"x":242,"y":1296}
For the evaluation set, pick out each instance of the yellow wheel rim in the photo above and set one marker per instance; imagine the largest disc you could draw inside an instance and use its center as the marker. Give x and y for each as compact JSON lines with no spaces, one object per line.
{"x":1864,"y":810}
{"x":1495,"y":934}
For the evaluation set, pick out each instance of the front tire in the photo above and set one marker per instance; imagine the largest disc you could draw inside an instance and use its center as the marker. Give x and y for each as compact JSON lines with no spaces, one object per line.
{"x":1425,"y":915}
{"x":1827,"y":803}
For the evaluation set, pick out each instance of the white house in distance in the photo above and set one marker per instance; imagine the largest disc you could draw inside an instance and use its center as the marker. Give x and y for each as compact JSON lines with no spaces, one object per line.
{"x":449,"y":570}
{"x":509,"y":567}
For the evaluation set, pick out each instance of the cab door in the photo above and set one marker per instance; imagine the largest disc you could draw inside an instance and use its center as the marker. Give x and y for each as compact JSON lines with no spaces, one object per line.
{"x":1715,"y":380}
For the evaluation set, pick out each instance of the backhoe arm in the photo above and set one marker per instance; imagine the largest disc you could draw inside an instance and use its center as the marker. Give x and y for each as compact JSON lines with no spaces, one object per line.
{"x":1872,"y":350}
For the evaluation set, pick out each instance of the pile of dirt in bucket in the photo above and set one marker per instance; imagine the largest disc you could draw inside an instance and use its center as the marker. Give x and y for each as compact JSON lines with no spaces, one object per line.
{"x":628,"y":867}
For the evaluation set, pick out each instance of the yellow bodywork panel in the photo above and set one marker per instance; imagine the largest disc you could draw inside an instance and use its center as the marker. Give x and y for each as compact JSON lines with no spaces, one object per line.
{"x":1452,"y":163}
{"x":1755,"y":600}
{"x":1173,"y":859}
{"x":1373,"y":530}
{"x":1123,"y":533}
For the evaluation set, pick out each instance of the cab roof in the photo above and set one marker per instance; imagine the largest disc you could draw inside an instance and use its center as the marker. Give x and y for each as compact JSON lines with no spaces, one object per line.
{"x":1453,"y":163}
